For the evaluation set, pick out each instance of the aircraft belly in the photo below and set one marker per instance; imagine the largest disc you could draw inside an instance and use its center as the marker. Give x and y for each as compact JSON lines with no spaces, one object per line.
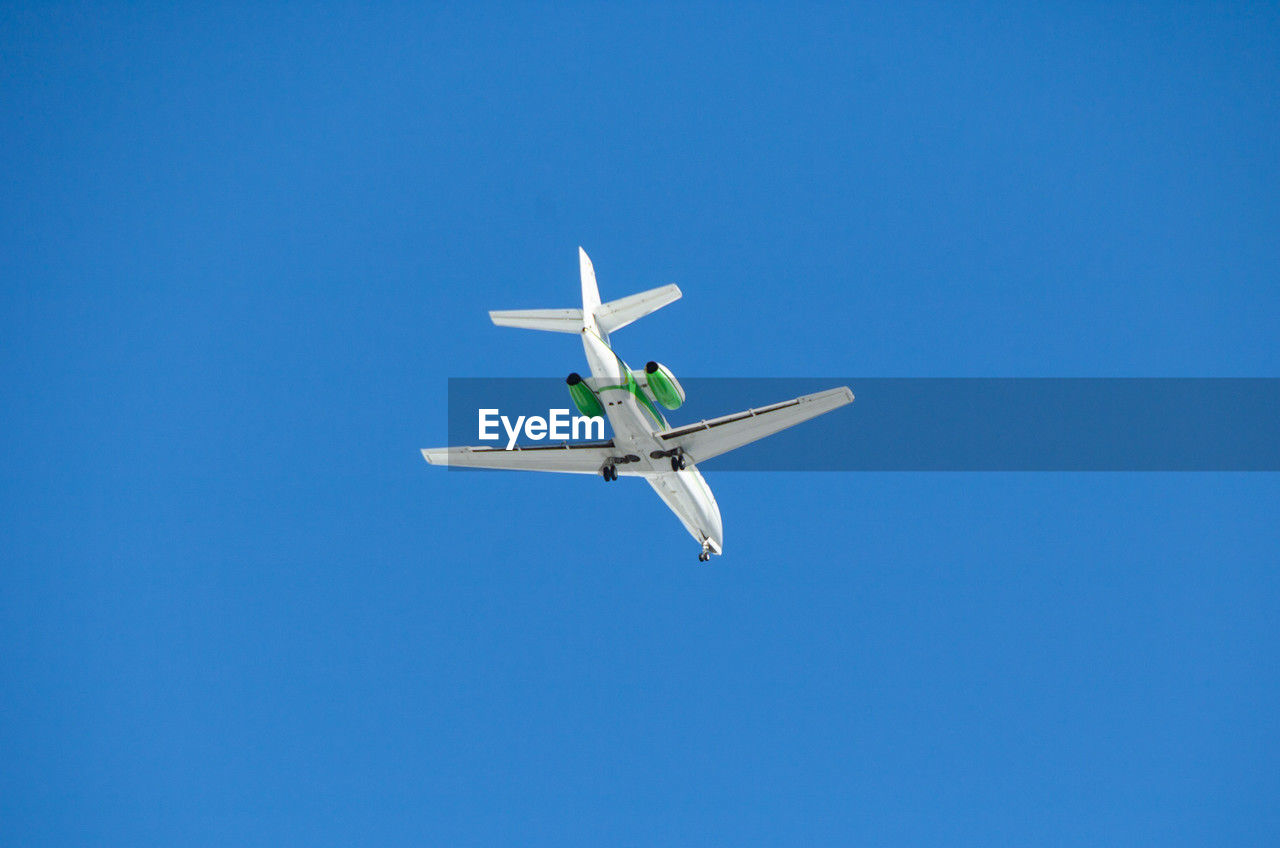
{"x":605,"y":366}
{"x":687,"y":495}
{"x":630,"y":433}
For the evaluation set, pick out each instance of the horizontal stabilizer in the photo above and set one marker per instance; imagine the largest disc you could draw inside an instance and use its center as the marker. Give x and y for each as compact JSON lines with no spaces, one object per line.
{"x":617,"y":314}
{"x":552,"y":320}
{"x":594,"y":316}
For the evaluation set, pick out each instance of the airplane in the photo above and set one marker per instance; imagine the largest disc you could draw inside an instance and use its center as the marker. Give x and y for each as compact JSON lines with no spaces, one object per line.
{"x":643,"y":444}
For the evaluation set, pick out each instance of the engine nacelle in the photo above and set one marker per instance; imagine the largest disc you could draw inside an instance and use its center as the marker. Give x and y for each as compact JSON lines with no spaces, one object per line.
{"x":663,"y":385}
{"x":586,"y":400}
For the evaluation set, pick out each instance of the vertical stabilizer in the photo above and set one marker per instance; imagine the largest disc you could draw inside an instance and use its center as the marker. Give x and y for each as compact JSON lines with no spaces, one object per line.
{"x":590,"y":292}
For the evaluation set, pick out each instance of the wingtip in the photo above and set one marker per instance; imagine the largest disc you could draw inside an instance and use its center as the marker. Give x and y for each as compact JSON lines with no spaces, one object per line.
{"x":435,"y":456}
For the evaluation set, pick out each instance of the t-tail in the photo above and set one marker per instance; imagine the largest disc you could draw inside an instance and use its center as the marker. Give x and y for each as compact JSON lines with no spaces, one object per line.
{"x":600,"y":318}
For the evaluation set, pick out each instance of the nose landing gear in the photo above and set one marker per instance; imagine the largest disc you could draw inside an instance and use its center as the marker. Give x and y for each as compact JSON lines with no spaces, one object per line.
{"x":705,"y":553}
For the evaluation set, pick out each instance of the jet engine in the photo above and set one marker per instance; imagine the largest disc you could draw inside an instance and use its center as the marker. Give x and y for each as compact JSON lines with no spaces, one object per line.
{"x":663,"y":385}
{"x":586,"y":400}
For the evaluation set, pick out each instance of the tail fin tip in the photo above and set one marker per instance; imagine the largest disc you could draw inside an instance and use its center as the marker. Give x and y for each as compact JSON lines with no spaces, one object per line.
{"x":590,"y":291}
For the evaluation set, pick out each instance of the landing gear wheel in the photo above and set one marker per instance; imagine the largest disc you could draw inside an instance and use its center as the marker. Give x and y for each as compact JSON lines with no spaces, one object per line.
{"x":675,"y":463}
{"x":680,"y":461}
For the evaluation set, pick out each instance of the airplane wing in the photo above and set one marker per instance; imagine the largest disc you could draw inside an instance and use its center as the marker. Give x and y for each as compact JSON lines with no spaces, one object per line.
{"x":706,"y":439}
{"x":567,"y":459}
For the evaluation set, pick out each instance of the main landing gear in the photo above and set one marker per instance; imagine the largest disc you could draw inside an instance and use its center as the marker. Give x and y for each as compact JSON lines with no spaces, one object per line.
{"x":610,"y":470}
{"x":677,"y":457}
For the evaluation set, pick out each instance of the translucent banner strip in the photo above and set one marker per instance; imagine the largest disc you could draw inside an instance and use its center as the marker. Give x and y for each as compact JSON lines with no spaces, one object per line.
{"x":943,"y":424}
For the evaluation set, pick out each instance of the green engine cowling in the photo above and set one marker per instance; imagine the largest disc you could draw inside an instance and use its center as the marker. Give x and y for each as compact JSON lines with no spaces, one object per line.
{"x":663,"y":385}
{"x":586,"y":400}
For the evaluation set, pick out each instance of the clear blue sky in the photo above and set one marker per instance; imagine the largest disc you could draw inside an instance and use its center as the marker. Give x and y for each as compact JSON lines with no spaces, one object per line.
{"x":242,"y":247}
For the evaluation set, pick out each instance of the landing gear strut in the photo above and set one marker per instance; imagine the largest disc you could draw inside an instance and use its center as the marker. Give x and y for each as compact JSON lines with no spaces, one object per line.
{"x":610,"y":469}
{"x":706,"y":552}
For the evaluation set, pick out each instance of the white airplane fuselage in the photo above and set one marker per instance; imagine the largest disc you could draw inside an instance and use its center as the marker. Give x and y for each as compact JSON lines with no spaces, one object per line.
{"x":636,"y":423}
